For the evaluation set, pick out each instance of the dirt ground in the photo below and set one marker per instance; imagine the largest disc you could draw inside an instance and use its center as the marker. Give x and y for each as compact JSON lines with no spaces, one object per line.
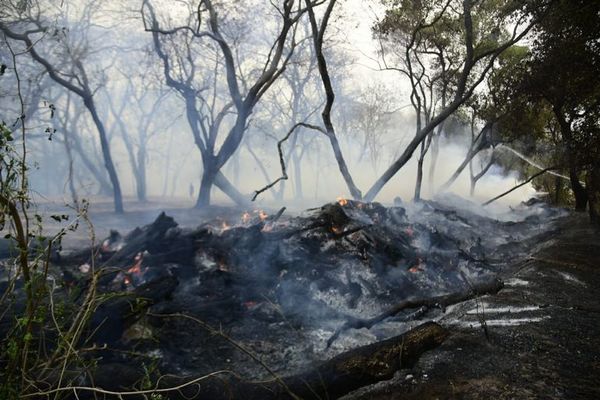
{"x":543,"y":333}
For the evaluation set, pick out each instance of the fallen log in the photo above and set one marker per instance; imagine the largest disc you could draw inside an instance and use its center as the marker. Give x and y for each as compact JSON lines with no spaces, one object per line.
{"x":442,"y":301}
{"x":335,"y":378}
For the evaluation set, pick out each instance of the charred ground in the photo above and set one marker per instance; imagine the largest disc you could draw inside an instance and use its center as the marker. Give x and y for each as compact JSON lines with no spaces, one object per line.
{"x":268,"y":296}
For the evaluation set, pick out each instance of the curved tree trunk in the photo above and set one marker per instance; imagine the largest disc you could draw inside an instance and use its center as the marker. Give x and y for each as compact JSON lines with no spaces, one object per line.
{"x":206,"y":184}
{"x":593,"y":189}
{"x":318,"y":33}
{"x":108,"y":162}
{"x":579,"y":191}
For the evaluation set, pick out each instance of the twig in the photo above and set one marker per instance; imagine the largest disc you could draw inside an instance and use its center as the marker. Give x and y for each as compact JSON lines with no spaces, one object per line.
{"x":284,"y":175}
{"x":519,"y":185}
{"x":128,"y":393}
{"x":441,"y":301}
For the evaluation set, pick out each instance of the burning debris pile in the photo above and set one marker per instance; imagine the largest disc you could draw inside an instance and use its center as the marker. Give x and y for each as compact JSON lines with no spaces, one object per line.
{"x":295,"y":291}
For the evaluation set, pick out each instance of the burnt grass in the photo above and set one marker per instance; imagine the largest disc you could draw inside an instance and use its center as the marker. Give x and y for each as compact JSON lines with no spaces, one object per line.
{"x":556,"y":357}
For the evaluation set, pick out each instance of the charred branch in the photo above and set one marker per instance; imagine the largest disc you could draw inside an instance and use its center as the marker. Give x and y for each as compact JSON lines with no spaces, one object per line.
{"x":430,"y":302}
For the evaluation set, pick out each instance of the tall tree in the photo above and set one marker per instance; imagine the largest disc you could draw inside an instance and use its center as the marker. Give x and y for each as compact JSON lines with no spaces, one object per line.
{"x":483,"y":40}
{"x":245,"y":89}
{"x":563,"y":71}
{"x":65,"y":64}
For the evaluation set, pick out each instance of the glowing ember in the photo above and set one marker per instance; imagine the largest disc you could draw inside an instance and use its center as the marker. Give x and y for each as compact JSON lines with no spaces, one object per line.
{"x":342,"y":201}
{"x":246,"y":217}
{"x":336,"y":230}
{"x":137,"y":265}
{"x":250,"y":304}
{"x":262,"y":215}
{"x":223,"y":267}
{"x":135,"y":273}
{"x":417,"y":268}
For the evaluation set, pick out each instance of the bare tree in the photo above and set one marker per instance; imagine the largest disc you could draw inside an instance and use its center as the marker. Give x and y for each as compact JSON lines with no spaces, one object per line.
{"x":70,"y":73}
{"x":205,"y":112}
{"x":140,"y":103}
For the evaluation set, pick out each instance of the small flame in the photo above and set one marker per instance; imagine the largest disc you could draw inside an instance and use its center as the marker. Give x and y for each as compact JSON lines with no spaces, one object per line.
{"x":262,"y":215}
{"x":223,"y":267}
{"x":342,"y":201}
{"x":336,"y":230}
{"x":246,"y":217}
{"x":135,"y":271}
{"x":419,"y":267}
{"x":137,"y":265}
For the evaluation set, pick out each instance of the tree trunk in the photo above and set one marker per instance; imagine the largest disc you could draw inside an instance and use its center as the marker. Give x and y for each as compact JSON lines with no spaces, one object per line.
{"x":104,"y":184}
{"x":141,"y":183}
{"x":211,"y":177}
{"x":226,"y":187}
{"x":108,"y":162}
{"x":299,"y":194}
{"x":318,"y":34}
{"x":435,"y":151}
{"x":167,"y":166}
{"x":470,"y":155}
{"x":70,"y":169}
{"x":593,"y":191}
{"x":419,"y":182}
{"x":579,"y":191}
{"x":206,"y":184}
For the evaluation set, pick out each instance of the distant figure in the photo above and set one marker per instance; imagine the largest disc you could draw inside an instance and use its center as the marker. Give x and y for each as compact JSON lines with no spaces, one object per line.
{"x":191,"y":190}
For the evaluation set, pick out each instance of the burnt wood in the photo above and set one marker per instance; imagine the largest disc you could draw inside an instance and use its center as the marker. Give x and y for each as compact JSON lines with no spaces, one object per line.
{"x":332,"y":379}
{"x":443,"y":301}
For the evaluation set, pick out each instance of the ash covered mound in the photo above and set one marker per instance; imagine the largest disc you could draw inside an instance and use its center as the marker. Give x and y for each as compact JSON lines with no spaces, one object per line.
{"x":293,"y":290}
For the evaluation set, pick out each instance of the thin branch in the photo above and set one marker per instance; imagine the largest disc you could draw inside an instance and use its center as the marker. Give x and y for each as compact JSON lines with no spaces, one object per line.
{"x":519,"y":185}
{"x":284,"y":175}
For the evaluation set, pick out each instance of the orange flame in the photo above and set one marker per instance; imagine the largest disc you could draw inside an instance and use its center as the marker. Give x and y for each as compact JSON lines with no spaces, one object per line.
{"x":342,"y":201}
{"x":262,"y":215}
{"x":336,"y":230}
{"x":419,"y":267}
{"x":135,"y":270}
{"x":137,"y":265}
{"x":246,"y":217}
{"x":223,"y":267}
